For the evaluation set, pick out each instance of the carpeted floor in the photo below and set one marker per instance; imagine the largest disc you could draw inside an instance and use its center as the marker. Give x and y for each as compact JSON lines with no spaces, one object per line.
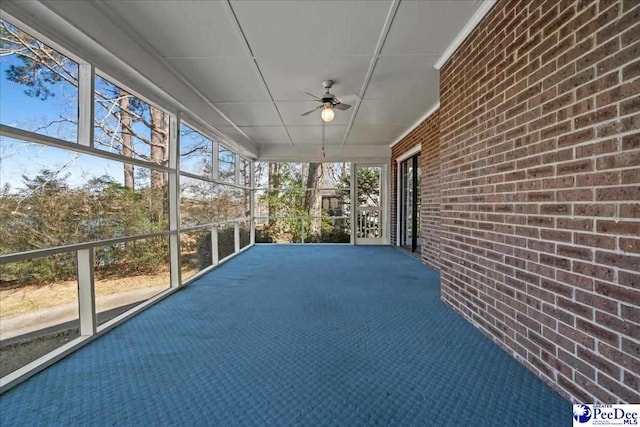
{"x":293,"y":335}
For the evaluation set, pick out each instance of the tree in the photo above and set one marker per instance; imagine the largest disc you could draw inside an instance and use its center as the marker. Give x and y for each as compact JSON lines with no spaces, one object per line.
{"x":313,"y":198}
{"x":295,"y":202}
{"x":121,"y":119}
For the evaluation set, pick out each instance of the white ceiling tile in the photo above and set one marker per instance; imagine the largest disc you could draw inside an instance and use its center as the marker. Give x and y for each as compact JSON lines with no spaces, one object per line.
{"x":183,"y":28}
{"x":304,"y":135}
{"x":397,"y":111}
{"x":291,"y":111}
{"x":289,"y":78}
{"x":311,"y":27}
{"x":374,"y":135}
{"x":404,"y":76}
{"x":427,"y":27}
{"x":251,"y":114}
{"x":224,"y":79}
{"x":234,"y":135}
{"x":266,"y":134}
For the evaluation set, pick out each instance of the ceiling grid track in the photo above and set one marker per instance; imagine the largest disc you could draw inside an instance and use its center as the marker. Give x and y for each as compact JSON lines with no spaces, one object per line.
{"x":383,"y":37}
{"x":255,"y":62}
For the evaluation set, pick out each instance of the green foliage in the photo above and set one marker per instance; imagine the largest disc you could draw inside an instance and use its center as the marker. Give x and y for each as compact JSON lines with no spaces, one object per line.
{"x":289,"y":220}
{"x":47,"y":212}
{"x":226,"y":246}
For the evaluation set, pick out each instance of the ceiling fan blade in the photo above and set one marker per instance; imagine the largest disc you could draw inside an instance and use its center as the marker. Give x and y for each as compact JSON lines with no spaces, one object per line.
{"x":311,"y":111}
{"x":342,"y":106}
{"x":313,"y":96}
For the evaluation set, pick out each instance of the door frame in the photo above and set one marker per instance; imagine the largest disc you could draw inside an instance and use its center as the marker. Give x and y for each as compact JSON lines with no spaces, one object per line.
{"x":404,"y":187}
{"x":416,"y":149}
{"x":384,"y":204}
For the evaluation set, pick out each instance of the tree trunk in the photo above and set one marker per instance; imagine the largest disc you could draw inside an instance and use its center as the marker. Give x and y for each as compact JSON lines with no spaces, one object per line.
{"x":313,"y":198}
{"x":159,"y":138}
{"x":274,"y":183}
{"x":127,"y":151}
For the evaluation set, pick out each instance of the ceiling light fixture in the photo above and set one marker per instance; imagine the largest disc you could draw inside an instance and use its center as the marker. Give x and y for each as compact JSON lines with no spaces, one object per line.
{"x":327,"y":114}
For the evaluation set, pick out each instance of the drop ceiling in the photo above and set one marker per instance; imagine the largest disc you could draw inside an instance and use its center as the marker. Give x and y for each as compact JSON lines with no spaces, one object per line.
{"x":244,"y":66}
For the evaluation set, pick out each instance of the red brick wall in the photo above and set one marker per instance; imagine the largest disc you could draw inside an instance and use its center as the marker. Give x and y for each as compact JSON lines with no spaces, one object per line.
{"x":540,"y":201}
{"x":428,"y":137}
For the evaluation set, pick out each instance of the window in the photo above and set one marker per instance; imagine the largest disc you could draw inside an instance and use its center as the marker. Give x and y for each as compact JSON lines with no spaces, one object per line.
{"x":39,"y":86}
{"x":37,"y":285}
{"x":226,"y":165}
{"x":132,"y":271}
{"x":95,"y":216}
{"x":126,"y":125}
{"x":303,"y":202}
{"x":53,"y":197}
{"x":196,"y":152}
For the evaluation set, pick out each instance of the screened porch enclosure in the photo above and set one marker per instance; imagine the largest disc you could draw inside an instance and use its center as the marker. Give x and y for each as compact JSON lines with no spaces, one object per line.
{"x":205,"y":164}
{"x":111,"y":202}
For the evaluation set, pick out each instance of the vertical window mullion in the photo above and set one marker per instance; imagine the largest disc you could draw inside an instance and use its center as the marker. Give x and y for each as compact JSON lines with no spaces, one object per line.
{"x":86,"y":113}
{"x":174,"y":201}
{"x":354,"y":203}
{"x":236,"y":236}
{"x":252,"y":203}
{"x":84,"y":258}
{"x":216,"y":160}
{"x":215,"y":259}
{"x":237,"y":175}
{"x":86,"y":292}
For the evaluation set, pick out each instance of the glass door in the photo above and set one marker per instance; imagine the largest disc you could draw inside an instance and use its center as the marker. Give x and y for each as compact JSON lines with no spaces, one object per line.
{"x":410,"y":204}
{"x":369,"y":219}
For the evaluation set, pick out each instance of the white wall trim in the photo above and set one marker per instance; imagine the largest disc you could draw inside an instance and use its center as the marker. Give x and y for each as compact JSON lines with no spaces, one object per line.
{"x":466,"y":30}
{"x":409,"y":153}
{"x":398,"y":201}
{"x":424,"y":117}
{"x":360,"y":153}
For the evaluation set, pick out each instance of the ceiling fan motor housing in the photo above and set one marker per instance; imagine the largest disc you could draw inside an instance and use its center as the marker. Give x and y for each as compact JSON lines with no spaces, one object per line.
{"x":328,"y":98}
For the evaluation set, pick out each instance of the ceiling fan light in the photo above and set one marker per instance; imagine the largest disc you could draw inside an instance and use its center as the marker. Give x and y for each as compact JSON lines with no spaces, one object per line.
{"x":327,"y":114}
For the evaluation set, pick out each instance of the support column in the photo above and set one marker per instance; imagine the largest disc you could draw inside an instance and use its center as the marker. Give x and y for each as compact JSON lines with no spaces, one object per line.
{"x":252,"y":205}
{"x":215,"y":260}
{"x":86,"y":292}
{"x":354,"y":203}
{"x":86,"y":89}
{"x":174,"y":202}
{"x":236,"y":236}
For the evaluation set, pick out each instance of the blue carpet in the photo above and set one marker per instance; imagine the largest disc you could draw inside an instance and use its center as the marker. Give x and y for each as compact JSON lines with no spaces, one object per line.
{"x":293,"y":335}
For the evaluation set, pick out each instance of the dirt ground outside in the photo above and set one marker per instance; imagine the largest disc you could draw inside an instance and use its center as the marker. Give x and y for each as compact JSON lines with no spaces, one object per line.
{"x":28,"y":298}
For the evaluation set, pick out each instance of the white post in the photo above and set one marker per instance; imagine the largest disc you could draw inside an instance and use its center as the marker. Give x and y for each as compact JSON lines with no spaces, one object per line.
{"x":252,"y":205}
{"x":214,"y":245}
{"x":86,"y":88}
{"x":174,"y":202}
{"x":216,"y":158}
{"x":237,"y":169}
{"x":86,"y":292}
{"x":354,"y":203}
{"x":236,"y":236}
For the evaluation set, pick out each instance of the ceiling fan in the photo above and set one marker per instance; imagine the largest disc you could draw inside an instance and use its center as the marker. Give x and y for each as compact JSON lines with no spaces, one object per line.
{"x":328,"y":101}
